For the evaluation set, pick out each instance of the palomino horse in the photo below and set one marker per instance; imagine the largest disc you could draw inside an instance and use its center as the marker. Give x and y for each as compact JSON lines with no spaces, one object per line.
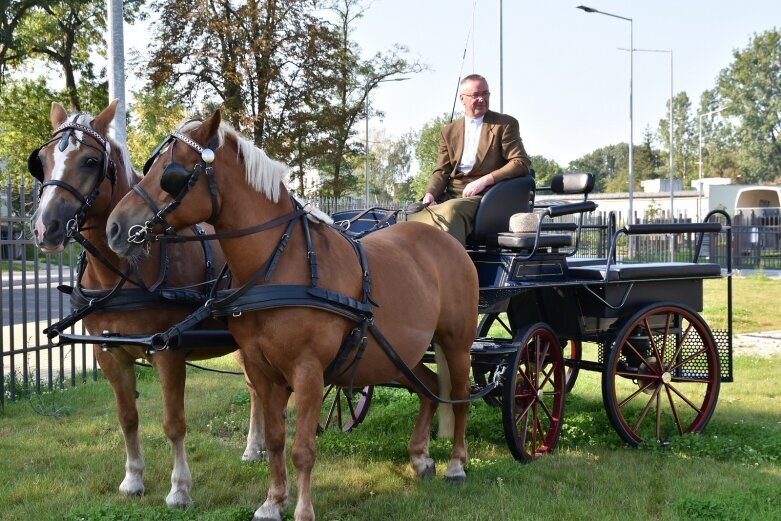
{"x":418,"y":283}
{"x":84,"y":174}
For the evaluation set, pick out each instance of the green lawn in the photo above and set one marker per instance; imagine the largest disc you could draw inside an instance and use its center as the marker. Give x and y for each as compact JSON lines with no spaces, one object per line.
{"x":62,"y":455}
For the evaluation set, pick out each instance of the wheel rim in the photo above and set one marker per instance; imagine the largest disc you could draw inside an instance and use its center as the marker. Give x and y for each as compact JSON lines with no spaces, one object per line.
{"x":662,"y":378}
{"x":534,"y":396}
{"x":340,"y":412}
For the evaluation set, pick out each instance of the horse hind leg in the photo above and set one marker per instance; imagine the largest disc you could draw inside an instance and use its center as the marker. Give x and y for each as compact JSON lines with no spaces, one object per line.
{"x":446,"y":414}
{"x":275,"y":399}
{"x":122,"y":377}
{"x":417,"y":447}
{"x":255,"y":437}
{"x":458,"y":363}
{"x":171,"y":369}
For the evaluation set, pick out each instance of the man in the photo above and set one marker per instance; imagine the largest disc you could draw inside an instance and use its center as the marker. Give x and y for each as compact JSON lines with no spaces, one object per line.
{"x":475,"y":152}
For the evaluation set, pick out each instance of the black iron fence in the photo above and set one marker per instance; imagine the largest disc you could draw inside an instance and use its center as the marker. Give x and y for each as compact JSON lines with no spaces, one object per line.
{"x":30,"y":301}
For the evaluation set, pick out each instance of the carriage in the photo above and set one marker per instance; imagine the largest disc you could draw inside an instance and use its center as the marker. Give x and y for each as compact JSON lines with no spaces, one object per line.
{"x":544,"y":314}
{"x":540,"y":304}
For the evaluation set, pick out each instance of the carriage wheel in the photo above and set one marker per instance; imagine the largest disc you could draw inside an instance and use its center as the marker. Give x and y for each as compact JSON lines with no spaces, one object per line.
{"x":573,"y":350}
{"x":533,"y":395}
{"x":341,"y":412}
{"x":483,"y":373}
{"x":662,"y":375}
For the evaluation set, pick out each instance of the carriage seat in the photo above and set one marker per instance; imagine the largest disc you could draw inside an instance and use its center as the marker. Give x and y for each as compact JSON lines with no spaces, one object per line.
{"x":644,"y":271}
{"x":525,"y":241}
{"x":499,"y":203}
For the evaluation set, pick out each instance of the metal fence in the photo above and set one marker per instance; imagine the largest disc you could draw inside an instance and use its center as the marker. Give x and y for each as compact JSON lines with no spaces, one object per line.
{"x":30,"y":300}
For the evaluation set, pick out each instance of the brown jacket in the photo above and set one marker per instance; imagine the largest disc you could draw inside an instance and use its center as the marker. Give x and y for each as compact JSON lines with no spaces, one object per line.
{"x":500,"y":153}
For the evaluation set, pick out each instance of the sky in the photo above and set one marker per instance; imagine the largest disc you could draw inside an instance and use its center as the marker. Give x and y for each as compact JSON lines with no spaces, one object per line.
{"x":564,"y":76}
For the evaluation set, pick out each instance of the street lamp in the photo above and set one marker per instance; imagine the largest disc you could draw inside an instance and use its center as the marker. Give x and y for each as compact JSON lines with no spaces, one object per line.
{"x":371,"y":82}
{"x":631,"y":78}
{"x":699,"y":155}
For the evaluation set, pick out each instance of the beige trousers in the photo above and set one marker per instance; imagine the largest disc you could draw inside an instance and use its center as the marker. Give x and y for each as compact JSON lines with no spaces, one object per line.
{"x":455,"y":216}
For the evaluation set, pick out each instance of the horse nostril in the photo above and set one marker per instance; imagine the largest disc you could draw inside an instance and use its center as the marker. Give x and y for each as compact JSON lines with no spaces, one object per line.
{"x":113,"y":231}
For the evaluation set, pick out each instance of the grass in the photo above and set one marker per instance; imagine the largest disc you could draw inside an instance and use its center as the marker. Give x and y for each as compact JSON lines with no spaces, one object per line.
{"x":62,"y":455}
{"x":62,"y":458}
{"x":754,"y":303}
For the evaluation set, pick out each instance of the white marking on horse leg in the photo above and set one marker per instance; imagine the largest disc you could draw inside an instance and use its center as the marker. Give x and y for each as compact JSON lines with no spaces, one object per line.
{"x":133,"y":484}
{"x":446,"y":416}
{"x":181,"y":479}
{"x":268,"y":511}
{"x":423,"y":466}
{"x":255,"y":438}
{"x":455,"y":471}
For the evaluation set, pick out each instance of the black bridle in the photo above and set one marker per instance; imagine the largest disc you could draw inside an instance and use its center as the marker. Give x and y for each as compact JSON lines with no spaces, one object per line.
{"x":177,"y":181}
{"x":108,"y":170}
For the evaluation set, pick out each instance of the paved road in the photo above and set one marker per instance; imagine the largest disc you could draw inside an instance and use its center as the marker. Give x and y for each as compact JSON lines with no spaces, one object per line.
{"x":21,"y":302}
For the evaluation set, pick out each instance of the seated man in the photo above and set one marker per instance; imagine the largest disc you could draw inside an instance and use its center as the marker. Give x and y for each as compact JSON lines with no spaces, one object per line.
{"x":475,"y":152}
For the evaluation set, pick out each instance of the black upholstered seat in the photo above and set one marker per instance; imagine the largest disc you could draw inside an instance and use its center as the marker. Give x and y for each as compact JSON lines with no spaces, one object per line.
{"x":499,"y":203}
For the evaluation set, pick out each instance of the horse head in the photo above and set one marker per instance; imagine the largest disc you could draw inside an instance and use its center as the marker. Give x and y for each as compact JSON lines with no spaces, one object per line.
{"x":78,"y":171}
{"x":180,"y":185}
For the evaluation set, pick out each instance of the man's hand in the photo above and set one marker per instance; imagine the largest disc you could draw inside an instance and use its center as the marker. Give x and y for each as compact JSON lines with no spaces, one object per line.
{"x":429,"y":199}
{"x":477,"y":186}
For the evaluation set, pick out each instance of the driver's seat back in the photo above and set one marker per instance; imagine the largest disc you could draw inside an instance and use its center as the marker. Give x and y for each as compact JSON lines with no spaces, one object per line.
{"x":499,"y":203}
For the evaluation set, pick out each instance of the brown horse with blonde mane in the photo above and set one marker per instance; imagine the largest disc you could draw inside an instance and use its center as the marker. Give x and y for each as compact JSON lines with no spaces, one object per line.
{"x":84,"y":173}
{"x":418,"y":282}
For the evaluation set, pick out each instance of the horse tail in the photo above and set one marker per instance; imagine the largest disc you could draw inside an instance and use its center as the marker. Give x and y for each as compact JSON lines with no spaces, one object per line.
{"x":446,"y":416}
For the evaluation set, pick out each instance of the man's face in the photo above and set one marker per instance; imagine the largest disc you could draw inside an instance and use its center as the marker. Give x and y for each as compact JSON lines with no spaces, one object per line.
{"x":474,"y":96}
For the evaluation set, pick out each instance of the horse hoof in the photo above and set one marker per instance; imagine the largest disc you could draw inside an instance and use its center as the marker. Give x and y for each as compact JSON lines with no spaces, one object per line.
{"x":268,"y":512}
{"x":178,"y":499}
{"x":424,"y":468}
{"x":254,"y":455}
{"x":131,"y":489}
{"x":456,"y":479}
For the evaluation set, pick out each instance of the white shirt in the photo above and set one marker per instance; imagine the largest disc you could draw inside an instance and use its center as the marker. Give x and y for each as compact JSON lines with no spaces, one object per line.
{"x":472,"y":129}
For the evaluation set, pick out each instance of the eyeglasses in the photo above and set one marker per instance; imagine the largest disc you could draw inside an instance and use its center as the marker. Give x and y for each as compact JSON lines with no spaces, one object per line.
{"x":483,"y":95}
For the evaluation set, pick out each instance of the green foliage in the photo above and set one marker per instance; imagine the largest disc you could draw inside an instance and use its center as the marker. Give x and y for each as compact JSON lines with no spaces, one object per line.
{"x":544,"y":169}
{"x":610,"y":166}
{"x":750,"y":89}
{"x":154,"y":116}
{"x":426,"y":152}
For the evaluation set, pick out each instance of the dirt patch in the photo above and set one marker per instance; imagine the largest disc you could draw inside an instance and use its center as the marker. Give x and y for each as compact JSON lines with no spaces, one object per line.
{"x":765,"y":344}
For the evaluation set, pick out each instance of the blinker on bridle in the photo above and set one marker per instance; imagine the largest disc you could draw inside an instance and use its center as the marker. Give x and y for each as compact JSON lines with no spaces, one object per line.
{"x":176,"y":181}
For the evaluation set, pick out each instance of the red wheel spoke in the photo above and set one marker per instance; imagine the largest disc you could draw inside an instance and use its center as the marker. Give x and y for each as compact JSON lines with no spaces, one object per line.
{"x":658,"y":415}
{"x":687,"y":359}
{"x":634,"y":394}
{"x":645,"y":410}
{"x":674,"y":410}
{"x":655,"y":370}
{"x":651,"y":339}
{"x":666,"y":334}
{"x":684,"y":398}
{"x":679,"y":347}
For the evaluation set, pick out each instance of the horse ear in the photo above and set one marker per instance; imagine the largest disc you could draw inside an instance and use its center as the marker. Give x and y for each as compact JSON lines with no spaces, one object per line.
{"x":209,"y":127}
{"x":58,"y":115}
{"x":104,"y":119}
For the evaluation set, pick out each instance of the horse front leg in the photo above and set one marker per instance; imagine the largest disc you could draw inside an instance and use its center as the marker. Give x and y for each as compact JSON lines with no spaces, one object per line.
{"x":121,"y":374}
{"x":172,"y":371}
{"x":417,"y":448}
{"x":309,"y":398}
{"x":274,"y":398}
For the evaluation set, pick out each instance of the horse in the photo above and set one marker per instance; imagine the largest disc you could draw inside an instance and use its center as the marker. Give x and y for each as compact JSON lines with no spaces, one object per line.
{"x":413,"y":283}
{"x":84,"y":173}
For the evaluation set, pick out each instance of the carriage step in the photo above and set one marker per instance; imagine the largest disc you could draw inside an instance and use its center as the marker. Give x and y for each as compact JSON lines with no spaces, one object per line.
{"x":485,"y":346}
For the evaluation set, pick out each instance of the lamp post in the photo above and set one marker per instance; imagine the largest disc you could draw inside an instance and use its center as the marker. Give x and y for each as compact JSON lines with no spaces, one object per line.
{"x":631,"y":126}
{"x":699,"y":155}
{"x":371,"y":82}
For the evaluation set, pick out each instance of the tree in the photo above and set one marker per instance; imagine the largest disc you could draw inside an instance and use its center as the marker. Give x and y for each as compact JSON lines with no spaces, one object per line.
{"x":648,"y":160}
{"x":685,"y":141}
{"x":610,"y":166}
{"x":750,"y":89}
{"x":544,"y":169}
{"x":154,"y":116}
{"x":426,"y":152}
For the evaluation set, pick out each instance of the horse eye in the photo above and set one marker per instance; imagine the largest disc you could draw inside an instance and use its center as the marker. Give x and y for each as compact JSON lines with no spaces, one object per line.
{"x":91,"y":162}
